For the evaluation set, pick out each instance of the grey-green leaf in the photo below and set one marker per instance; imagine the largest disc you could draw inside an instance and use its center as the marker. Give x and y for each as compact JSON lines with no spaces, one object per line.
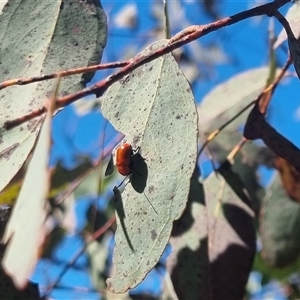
{"x":293,"y":17}
{"x":294,"y":46}
{"x":25,"y":229}
{"x":231,"y":236}
{"x":215,"y":236}
{"x":280,"y":226}
{"x":38,"y":37}
{"x":154,"y":107}
{"x":224,"y":102}
{"x":229,"y":97}
{"x":189,"y":264}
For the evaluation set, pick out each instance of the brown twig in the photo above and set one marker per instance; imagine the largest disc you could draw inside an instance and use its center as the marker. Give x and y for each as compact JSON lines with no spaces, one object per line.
{"x":269,"y":90}
{"x":104,"y":228}
{"x":28,"y":80}
{"x":184,"y":37}
{"x":236,"y":150}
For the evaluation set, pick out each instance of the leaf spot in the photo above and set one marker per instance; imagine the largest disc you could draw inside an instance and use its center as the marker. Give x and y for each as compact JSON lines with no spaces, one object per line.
{"x":153,"y":235}
{"x":151,"y":189}
{"x":8,"y":151}
{"x":32,"y":125}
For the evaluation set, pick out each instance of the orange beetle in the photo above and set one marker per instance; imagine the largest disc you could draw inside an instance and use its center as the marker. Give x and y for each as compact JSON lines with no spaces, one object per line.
{"x":124,"y":160}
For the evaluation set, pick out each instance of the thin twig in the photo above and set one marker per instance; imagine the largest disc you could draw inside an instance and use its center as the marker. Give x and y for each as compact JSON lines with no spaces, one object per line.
{"x":236,"y":149}
{"x":167,"y":23}
{"x":269,"y":90}
{"x":28,"y":80}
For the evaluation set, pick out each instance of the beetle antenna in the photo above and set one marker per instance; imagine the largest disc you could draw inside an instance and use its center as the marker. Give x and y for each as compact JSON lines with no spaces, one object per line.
{"x":150,"y":203}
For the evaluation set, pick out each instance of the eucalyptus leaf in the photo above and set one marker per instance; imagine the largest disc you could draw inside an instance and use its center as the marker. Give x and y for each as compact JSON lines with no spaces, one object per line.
{"x":279,"y":226}
{"x":189,"y":264}
{"x":97,"y":253}
{"x":25,"y":229}
{"x":39,"y":37}
{"x":223,"y":103}
{"x":215,"y":236}
{"x":154,"y":108}
{"x":293,"y":17}
{"x":231,"y":235}
{"x":229,"y":97}
{"x":294,"y":46}
{"x":2,"y":4}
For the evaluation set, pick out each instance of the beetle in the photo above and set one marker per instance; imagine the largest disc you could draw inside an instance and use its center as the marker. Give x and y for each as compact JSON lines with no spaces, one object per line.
{"x":128,"y":161}
{"x":124,"y":159}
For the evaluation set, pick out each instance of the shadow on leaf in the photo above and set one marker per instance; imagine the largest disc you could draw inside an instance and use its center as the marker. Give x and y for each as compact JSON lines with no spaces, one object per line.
{"x":139,"y":174}
{"x":196,"y":194}
{"x":121,"y":214}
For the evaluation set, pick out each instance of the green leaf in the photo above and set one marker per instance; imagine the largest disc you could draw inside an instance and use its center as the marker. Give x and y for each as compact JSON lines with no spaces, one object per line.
{"x":270,"y":272}
{"x":37,"y":38}
{"x":62,"y":181}
{"x":9,"y":195}
{"x":279,"y":227}
{"x":63,"y":178}
{"x":88,"y":182}
{"x":154,"y":107}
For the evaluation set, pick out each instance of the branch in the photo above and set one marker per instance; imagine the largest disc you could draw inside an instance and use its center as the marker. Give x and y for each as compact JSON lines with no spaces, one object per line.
{"x":24,"y":81}
{"x":184,"y":37}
